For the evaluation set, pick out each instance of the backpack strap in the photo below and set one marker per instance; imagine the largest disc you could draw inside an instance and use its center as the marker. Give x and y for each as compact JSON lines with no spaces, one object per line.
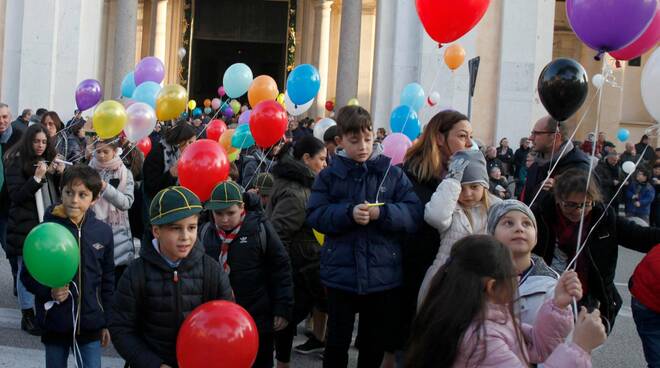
{"x":210,"y":279}
{"x":263,"y":238}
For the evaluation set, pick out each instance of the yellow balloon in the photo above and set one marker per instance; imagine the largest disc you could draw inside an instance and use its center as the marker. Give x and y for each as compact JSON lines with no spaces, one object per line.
{"x":232,"y":156}
{"x":353,"y":102}
{"x":171,"y":102}
{"x":192,"y":104}
{"x":280,"y":98}
{"x":319,"y":237}
{"x":109,"y":119}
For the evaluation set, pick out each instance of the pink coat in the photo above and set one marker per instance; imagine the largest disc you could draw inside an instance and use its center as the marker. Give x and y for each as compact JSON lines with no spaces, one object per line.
{"x":544,"y":341}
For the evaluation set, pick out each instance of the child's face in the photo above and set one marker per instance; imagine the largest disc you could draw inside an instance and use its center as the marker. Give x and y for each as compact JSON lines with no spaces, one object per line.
{"x":641,"y":177}
{"x":495,"y":174}
{"x":39,"y":143}
{"x":105,"y":154}
{"x":358,"y":146}
{"x":471,"y":194}
{"x":228,"y":218}
{"x":77,"y":199}
{"x":656,"y":171}
{"x":517,"y":232}
{"x":177,"y":239}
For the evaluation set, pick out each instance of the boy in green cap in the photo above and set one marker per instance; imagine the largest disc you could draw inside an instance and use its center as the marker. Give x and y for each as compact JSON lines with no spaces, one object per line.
{"x":244,"y":242}
{"x":171,"y":278}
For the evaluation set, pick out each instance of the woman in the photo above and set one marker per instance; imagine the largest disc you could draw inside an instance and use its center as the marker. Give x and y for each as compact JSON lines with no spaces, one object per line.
{"x":505,"y":154}
{"x":53,"y":124}
{"x":31,"y":179}
{"x":294,"y":174}
{"x":558,"y":219}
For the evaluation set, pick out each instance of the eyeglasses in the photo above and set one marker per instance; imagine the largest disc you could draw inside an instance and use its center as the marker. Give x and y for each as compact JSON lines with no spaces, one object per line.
{"x":540,"y":132}
{"x":576,"y":206}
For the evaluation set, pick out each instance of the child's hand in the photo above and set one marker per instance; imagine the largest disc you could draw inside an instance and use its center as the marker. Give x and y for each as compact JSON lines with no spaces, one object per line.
{"x":361,"y":214}
{"x":279,"y":323}
{"x":60,"y":294}
{"x":637,"y":204}
{"x":589,"y":330}
{"x":568,"y":287}
{"x":374,"y":212}
{"x":105,"y":337}
{"x":456,"y":168}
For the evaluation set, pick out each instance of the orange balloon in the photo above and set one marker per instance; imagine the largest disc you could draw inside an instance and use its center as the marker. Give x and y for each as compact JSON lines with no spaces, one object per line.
{"x":225,"y":139}
{"x":454,"y":56}
{"x":207,"y":103}
{"x":262,"y":88}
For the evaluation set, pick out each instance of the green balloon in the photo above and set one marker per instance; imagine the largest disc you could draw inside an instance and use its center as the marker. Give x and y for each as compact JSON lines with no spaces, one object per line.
{"x":51,"y":255}
{"x":235,"y":106}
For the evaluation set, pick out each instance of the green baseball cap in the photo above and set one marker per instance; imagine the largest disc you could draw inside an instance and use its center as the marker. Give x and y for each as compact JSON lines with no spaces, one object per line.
{"x":173,"y":204}
{"x":225,"y":195}
{"x":264,"y":183}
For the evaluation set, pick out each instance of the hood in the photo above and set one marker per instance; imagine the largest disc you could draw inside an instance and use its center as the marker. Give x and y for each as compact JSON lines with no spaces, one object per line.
{"x":149,"y":254}
{"x":289,"y":168}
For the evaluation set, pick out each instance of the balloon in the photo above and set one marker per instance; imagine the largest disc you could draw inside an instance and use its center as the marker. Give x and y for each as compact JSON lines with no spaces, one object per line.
{"x":563,"y":87}
{"x":197,"y":112}
{"x":433,"y":99}
{"x":141,"y":121}
{"x":235,"y":106}
{"x":144,"y":145}
{"x":208,"y":110}
{"x":109,"y":119}
{"x":228,"y":112}
{"x":182,"y":53}
{"x":192,"y":104}
{"x":413,"y":95}
{"x":51,"y":254}
{"x":293,"y":109}
{"x":628,"y":167}
{"x":147,"y":92}
{"x":215,"y":103}
{"x":650,"y":83}
{"x":353,"y":102}
{"x":262,"y":88}
{"x":244,"y":118}
{"x":225,"y":139}
{"x":217,"y":331}
{"x":268,"y":122}
{"x":88,"y":94}
{"x":329,"y":105}
{"x":454,"y":56}
{"x":221,"y":91}
{"x":608,"y":25}
{"x":448,"y":20}
{"x":321,"y":126}
{"x":214,"y":129}
{"x":643,"y":43}
{"x":395,"y":146}
{"x":303,"y":84}
{"x":202,"y":166}
{"x":280,"y":99}
{"x":233,"y":155}
{"x":151,"y":69}
{"x":184,"y":115}
{"x":598,"y":80}
{"x":128,"y":85}
{"x":404,"y":120}
{"x":237,"y":80}
{"x":242,"y":137}
{"x":171,"y":102}
{"x":319,"y":237}
{"x":207,"y":103}
{"x":623,"y":134}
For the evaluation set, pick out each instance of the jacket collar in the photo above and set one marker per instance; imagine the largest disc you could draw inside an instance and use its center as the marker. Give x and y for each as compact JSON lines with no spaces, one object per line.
{"x":151,"y":255}
{"x":342,"y":165}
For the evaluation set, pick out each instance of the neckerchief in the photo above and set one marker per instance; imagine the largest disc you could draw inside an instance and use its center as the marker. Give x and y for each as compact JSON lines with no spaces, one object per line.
{"x":226,"y":237}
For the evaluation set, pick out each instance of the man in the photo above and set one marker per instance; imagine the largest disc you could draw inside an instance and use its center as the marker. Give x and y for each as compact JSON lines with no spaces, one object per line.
{"x":610,"y":174}
{"x":492,"y":160}
{"x":36,"y":118}
{"x":77,"y":117}
{"x":550,"y":138}
{"x":630,"y":154}
{"x":520,"y":156}
{"x":21,"y":123}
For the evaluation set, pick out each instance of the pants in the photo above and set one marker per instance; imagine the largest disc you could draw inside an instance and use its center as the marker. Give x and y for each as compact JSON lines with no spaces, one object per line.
{"x":57,"y":355}
{"x":265,"y":353}
{"x":25,"y":298}
{"x":373,"y":327}
{"x":3,"y":242}
{"x":648,"y":328}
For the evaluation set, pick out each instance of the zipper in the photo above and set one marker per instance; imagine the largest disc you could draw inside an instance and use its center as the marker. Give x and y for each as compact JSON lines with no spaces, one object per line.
{"x":80,"y":269}
{"x":177,"y":295}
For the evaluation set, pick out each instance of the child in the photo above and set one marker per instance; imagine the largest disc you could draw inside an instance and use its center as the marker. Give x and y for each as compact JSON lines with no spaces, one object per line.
{"x":459,"y":207}
{"x":263,"y":186}
{"x":655,"y":206}
{"x":468,"y":318}
{"x":498,"y":184}
{"x":330,"y":139}
{"x":364,"y":206}
{"x":639,"y":196}
{"x":172,"y":277}
{"x":89,"y":294}
{"x":115,"y":200}
{"x":249,"y":250}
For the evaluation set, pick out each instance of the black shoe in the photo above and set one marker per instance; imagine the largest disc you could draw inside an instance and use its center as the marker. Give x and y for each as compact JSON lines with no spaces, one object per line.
{"x":313,"y":345}
{"x":28,"y":323}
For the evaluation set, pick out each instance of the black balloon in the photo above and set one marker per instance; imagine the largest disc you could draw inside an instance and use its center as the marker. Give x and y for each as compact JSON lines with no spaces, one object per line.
{"x":563,"y":87}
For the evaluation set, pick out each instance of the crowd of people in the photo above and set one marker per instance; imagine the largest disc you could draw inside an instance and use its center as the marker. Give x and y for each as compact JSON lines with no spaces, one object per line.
{"x":443,"y":265}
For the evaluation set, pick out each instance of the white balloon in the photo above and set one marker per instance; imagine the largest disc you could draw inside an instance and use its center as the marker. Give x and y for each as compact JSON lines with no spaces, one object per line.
{"x":321,"y":126}
{"x":628,"y":167}
{"x":651,"y":85}
{"x":293,"y":109}
{"x":182,"y":53}
{"x":598,"y":80}
{"x":434,"y":98}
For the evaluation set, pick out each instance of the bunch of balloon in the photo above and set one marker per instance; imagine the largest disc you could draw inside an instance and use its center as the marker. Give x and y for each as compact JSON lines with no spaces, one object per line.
{"x":143,"y":85}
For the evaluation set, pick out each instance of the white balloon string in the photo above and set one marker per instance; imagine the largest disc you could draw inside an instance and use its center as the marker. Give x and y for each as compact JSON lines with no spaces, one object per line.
{"x":74,"y":347}
{"x":92,"y":143}
{"x":212,"y":118}
{"x":261,"y":161}
{"x":129,"y":151}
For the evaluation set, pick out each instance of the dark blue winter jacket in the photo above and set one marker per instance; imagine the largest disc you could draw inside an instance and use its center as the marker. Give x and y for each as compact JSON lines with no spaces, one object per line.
{"x":356,"y":258}
{"x":644,"y":193}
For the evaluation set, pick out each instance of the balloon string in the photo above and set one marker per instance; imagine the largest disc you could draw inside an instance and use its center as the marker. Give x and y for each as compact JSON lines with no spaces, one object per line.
{"x":129,"y":151}
{"x":212,"y":118}
{"x":97,"y":139}
{"x":261,"y":161}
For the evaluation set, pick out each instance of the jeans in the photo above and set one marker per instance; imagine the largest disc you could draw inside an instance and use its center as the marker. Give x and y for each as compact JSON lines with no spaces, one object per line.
{"x":25,"y":298}
{"x":57,"y":355}
{"x":648,"y":328}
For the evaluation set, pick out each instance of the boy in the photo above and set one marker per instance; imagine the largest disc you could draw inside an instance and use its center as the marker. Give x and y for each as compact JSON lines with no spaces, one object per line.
{"x":247,"y":247}
{"x":263,"y":186}
{"x":89,"y":294}
{"x":330,"y":139}
{"x":171,"y":278}
{"x":364,"y":206}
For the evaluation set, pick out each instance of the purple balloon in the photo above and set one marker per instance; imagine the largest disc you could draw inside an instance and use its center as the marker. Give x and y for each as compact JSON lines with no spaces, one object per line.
{"x":607,"y":25}
{"x":149,"y":69}
{"x":227,"y":112}
{"x":244,"y":118}
{"x":88,"y":94}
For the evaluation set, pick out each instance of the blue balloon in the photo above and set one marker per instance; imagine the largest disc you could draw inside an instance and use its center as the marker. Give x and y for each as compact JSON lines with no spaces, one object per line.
{"x":147,"y":93}
{"x":623,"y":134}
{"x":207,"y":110}
{"x":128,"y":85}
{"x":184,"y":115}
{"x":237,"y":80}
{"x":404,"y":120}
{"x":303,"y":84}
{"x":197,"y":112}
{"x":242,"y":137}
{"x":413,"y":95}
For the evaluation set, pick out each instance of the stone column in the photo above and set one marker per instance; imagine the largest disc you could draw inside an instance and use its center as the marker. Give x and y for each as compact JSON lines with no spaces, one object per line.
{"x":381,"y":87}
{"x":124,"y":55}
{"x":308,"y":37}
{"x":407,"y":41}
{"x":321,"y":51}
{"x":349,"y":51}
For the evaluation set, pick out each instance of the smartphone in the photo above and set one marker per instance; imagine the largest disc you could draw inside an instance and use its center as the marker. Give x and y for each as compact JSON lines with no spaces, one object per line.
{"x":114,"y":182}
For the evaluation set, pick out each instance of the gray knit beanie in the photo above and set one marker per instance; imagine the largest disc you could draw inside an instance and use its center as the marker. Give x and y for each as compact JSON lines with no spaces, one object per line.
{"x":476,"y":171}
{"x":500,"y":209}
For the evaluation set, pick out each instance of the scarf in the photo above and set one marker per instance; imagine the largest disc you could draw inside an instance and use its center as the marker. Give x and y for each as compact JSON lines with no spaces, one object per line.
{"x":104,"y":210}
{"x":566,"y":244}
{"x":226,"y":237}
{"x":170,"y":155}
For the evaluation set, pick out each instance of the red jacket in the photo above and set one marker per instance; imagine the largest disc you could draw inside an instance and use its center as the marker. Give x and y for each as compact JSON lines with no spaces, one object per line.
{"x":645,"y":281}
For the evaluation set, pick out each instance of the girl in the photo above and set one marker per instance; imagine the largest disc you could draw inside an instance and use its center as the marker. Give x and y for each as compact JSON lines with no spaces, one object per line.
{"x":639,"y":196}
{"x":468,"y":319}
{"x":32,"y":176}
{"x":459,"y":207}
{"x":505,"y":154}
{"x":115,"y":200}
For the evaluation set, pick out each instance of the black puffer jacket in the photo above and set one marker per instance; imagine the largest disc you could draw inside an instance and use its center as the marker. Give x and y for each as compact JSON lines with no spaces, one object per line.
{"x":153,"y":172}
{"x":147,"y":315}
{"x":260,"y":274}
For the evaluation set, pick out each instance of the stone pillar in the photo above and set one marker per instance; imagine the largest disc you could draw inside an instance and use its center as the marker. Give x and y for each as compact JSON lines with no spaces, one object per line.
{"x":321,"y":51}
{"x":381,"y":88}
{"x":407,"y":40}
{"x":349,"y":51}
{"x":124,"y":55}
{"x":307,"y":45}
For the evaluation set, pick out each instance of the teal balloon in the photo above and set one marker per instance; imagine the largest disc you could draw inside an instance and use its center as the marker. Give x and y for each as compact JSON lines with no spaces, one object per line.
{"x":623,"y":134}
{"x":51,"y":254}
{"x":242,"y":137}
{"x":128,"y":85}
{"x":413,"y":95}
{"x":237,"y":80}
{"x":404,"y":120}
{"x":207,"y":110}
{"x":147,"y":92}
{"x":197,"y":112}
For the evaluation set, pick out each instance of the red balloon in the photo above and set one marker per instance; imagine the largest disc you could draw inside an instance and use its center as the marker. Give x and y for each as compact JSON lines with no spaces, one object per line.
{"x":268,"y":123}
{"x":144,"y":145}
{"x":217,"y":333}
{"x":643,"y":43}
{"x":202,"y":166}
{"x":448,"y":20}
{"x":329,"y":105}
{"x":215,"y":129}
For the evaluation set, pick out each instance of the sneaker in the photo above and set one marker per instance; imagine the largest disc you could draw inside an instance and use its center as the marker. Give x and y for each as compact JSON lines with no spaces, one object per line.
{"x":313,"y":345}
{"x":28,"y":324}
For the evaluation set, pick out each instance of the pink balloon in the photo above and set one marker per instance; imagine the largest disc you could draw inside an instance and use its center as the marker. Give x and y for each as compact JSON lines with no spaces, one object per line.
{"x":643,"y":43}
{"x":221,"y":91}
{"x":215,"y":103}
{"x":395,"y":146}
